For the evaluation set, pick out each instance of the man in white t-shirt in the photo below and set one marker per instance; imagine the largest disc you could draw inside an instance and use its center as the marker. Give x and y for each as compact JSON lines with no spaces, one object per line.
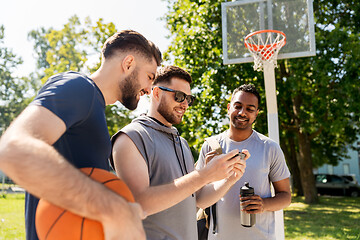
{"x":265,"y":166}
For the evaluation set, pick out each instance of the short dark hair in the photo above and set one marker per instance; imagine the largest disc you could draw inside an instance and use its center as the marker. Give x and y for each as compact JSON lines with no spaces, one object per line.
{"x":129,"y":40}
{"x":165,"y":74}
{"x":249,"y":88}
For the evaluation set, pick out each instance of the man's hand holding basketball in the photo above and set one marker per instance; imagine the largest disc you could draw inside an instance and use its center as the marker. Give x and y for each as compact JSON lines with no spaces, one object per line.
{"x":126,"y":224}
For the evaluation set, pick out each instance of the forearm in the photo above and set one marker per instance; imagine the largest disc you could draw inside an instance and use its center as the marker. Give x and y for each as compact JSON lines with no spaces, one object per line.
{"x":158,"y":198}
{"x":211,"y":193}
{"x":280,"y":201}
{"x":38,"y":168}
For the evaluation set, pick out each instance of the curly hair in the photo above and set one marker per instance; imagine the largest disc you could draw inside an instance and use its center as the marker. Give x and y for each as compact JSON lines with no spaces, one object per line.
{"x":249,"y":88}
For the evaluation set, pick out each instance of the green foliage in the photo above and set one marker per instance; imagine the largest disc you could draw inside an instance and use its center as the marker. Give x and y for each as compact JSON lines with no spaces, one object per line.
{"x":318,"y":85}
{"x":14,"y":97}
{"x":318,"y":97}
{"x":117,"y":117}
{"x":197,"y":46}
{"x":60,"y":50}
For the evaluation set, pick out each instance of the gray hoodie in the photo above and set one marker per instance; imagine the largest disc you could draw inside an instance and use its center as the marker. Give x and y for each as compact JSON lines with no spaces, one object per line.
{"x":168,"y":157}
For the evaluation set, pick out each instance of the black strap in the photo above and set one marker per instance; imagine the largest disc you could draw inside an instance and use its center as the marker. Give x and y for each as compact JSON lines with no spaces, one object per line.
{"x":213,"y":210}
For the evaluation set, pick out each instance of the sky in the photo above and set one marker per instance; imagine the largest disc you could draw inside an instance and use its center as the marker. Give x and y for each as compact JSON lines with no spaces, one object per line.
{"x":19,"y":17}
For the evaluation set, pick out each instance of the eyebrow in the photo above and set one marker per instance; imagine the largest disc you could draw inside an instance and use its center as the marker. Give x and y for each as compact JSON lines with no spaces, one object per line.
{"x":247,"y":105}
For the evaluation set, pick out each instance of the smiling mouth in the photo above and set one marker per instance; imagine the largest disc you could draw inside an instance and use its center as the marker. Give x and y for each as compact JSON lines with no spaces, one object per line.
{"x":179,"y":111}
{"x":242,"y":119}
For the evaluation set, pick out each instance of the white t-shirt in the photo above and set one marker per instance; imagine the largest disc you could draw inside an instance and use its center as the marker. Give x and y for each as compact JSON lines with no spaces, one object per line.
{"x":266,"y":164}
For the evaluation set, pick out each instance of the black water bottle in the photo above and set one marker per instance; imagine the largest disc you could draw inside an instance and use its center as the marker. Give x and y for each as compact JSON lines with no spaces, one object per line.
{"x":247,"y":220}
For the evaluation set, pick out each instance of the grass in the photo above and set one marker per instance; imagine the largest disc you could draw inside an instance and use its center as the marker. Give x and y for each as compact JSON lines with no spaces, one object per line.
{"x":333,"y":218}
{"x":12,"y":225}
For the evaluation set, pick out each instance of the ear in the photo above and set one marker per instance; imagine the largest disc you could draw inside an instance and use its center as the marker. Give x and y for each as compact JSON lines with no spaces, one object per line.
{"x":128,"y":63}
{"x":228,"y":108}
{"x":156,"y":93}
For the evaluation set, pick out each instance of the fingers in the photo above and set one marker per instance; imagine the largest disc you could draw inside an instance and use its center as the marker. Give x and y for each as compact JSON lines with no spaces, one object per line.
{"x":239,"y":165}
{"x":253,"y":204}
{"x":209,"y":156}
{"x":247,"y":154}
{"x":239,"y":168}
{"x":229,"y":165}
{"x":243,"y":156}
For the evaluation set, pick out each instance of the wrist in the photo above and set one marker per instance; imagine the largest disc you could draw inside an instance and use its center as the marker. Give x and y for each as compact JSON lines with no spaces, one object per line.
{"x":265,"y":204}
{"x":203,"y":176}
{"x":111,"y":206}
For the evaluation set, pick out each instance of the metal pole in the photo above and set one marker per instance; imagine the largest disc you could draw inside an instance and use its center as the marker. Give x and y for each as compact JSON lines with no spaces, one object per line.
{"x":271,"y":103}
{"x":273,"y":129}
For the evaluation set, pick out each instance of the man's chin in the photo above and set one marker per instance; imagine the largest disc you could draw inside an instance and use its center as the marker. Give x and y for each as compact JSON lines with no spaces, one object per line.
{"x":241,"y":126}
{"x":131,"y":105}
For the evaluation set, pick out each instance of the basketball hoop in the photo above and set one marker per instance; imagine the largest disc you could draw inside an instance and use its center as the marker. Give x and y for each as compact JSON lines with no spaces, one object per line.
{"x":264,"y":46}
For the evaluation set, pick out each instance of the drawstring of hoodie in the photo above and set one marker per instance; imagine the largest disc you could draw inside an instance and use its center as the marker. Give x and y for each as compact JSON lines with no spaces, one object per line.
{"x":182,"y":151}
{"x":183,"y":157}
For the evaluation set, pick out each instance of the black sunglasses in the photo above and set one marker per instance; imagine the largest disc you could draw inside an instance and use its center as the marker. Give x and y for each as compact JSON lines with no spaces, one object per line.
{"x":180,"y":96}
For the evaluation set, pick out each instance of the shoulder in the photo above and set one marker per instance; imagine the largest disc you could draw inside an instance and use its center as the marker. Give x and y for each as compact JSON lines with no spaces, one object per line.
{"x":67,"y":79}
{"x":132,"y":130}
{"x":268,"y":142}
{"x":67,"y":86}
{"x":221,"y":137}
{"x":218,"y":137}
{"x":134,"y":126}
{"x":70,"y":96}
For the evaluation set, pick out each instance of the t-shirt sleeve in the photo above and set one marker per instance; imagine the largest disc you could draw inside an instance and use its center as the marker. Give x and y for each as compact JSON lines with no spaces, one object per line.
{"x":278,"y":167}
{"x":70,"y":100}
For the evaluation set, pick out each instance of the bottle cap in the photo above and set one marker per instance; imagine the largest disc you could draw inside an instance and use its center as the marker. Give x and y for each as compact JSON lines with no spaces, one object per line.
{"x":247,"y":189}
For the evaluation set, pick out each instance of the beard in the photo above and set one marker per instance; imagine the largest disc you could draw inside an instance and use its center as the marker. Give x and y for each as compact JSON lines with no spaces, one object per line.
{"x":167,"y":113}
{"x":129,"y":91}
{"x":240,"y":125}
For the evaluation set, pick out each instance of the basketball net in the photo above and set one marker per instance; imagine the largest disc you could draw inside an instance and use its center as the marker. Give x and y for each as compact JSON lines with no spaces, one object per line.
{"x":264,"y":46}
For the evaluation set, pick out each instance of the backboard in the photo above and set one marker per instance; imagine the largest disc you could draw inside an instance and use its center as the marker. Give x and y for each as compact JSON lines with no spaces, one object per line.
{"x":293,"y":17}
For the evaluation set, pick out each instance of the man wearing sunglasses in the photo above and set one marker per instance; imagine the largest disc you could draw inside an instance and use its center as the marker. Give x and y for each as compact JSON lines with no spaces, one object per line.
{"x":157,"y":164}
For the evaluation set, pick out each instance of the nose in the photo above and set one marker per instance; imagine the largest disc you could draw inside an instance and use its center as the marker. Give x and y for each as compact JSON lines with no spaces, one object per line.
{"x":241,"y":111}
{"x":147,"y":89}
{"x":185,"y":104}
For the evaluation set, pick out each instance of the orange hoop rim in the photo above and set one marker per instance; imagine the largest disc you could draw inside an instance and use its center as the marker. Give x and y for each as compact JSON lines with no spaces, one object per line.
{"x":256,"y":47}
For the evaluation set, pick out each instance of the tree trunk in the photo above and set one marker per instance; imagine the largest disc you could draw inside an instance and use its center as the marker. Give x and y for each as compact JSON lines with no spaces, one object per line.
{"x":290,"y":155}
{"x":304,"y":158}
{"x":306,"y":173}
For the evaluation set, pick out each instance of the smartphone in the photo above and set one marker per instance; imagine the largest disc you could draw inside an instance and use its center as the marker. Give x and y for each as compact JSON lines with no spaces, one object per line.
{"x":242,"y":155}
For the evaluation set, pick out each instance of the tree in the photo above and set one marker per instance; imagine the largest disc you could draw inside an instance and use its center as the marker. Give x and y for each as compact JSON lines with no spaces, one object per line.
{"x":316,"y":122}
{"x":76,"y":47}
{"x":14,"y":97}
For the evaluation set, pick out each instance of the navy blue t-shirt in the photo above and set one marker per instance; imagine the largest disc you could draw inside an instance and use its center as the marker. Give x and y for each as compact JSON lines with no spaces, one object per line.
{"x":75,"y":99}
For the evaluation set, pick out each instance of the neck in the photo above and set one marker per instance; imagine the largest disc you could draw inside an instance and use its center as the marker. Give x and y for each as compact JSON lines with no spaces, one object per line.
{"x":104,"y":81}
{"x":239,"y":135}
{"x":155,"y":114}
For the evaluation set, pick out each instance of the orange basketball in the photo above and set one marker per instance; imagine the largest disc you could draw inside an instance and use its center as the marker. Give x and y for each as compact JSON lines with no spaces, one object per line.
{"x":54,"y":223}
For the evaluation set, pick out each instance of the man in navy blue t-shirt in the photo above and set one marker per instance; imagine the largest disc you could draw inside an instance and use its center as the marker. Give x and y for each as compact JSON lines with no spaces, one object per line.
{"x":64,"y":128}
